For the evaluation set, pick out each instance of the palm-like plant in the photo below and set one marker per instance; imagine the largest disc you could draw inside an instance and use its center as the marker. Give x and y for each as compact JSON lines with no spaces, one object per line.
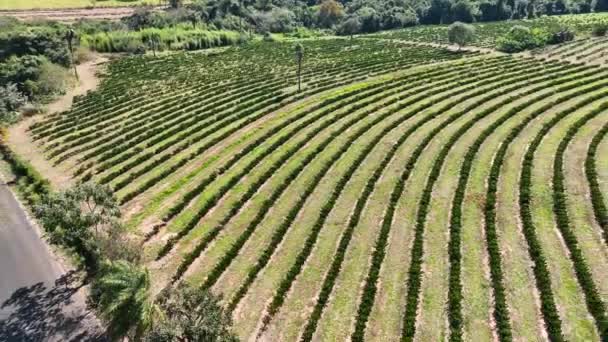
{"x":124,"y":299}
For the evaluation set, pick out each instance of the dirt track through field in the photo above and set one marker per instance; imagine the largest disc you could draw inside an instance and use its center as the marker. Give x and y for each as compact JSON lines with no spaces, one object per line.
{"x":72,"y":14}
{"x":21,"y":142}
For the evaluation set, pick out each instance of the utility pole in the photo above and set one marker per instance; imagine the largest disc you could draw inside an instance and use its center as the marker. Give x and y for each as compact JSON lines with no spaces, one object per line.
{"x":70,"y":37}
{"x":299,"y":55}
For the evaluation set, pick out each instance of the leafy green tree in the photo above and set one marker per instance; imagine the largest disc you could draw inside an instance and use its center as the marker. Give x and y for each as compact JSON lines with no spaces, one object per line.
{"x":463,"y":11}
{"x":350,"y":26}
{"x":121,"y":293}
{"x":299,"y":50}
{"x":461,"y":34}
{"x":601,"y":6}
{"x":189,"y":314}
{"x":176,"y":3}
{"x":370,"y":20}
{"x":78,"y":218}
{"x":10,"y":101}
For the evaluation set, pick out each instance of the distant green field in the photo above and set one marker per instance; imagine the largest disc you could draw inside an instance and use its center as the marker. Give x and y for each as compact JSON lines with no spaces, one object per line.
{"x":38,"y":4}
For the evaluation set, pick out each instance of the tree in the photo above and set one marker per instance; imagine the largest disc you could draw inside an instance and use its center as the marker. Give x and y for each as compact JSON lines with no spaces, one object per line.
{"x":122,"y":295}
{"x":78,"y":218}
{"x":461,"y":34}
{"x":601,"y":6}
{"x":190,"y":314}
{"x":10,"y":101}
{"x":299,"y":50}
{"x":350,"y":26}
{"x":330,"y":12}
{"x":370,"y":20}
{"x":463,"y":11}
{"x":175,"y":3}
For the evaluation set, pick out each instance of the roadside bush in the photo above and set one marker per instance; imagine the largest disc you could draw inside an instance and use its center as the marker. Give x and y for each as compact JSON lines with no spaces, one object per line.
{"x":29,"y":182}
{"x":10,"y":101}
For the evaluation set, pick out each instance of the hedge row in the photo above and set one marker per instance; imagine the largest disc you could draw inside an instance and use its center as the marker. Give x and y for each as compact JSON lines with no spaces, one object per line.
{"x":595,"y":304}
{"x":272,"y":109}
{"x":501,"y":314}
{"x":193,"y":193}
{"x":415,"y":270}
{"x":254,"y":187}
{"x":541,"y":272}
{"x":165,"y":173}
{"x":234,"y":210}
{"x":311,"y":240}
{"x":277,"y":237}
{"x":597,"y":198}
{"x":367,"y":301}
{"x":29,"y":182}
{"x":168,"y":114}
{"x":185,"y":134}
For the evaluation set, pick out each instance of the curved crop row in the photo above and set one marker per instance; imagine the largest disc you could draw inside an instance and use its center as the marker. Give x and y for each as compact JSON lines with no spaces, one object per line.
{"x":543,"y":281}
{"x":501,"y":314}
{"x":234,"y":210}
{"x":296,"y":268}
{"x":354,"y":219}
{"x":594,"y":301}
{"x":597,"y":198}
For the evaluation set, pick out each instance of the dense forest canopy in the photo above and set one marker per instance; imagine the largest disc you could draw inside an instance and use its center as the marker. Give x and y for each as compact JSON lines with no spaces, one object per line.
{"x":364,"y":15}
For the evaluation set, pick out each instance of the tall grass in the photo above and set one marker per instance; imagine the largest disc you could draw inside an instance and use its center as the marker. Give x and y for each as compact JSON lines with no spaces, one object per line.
{"x":174,"y":38}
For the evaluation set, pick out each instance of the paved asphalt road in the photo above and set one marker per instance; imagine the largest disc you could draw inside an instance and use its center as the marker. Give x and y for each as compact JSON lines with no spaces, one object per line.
{"x":39,"y":301}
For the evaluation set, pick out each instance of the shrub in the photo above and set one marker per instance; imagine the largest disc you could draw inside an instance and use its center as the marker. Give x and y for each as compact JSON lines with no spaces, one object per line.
{"x":599,"y":30}
{"x":10,"y":101}
{"x":561,"y":35}
{"x":461,"y":34}
{"x":521,"y":38}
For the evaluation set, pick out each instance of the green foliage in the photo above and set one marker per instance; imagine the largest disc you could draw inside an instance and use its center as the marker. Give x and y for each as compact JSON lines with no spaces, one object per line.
{"x":29,"y":182}
{"x":45,"y":41}
{"x":191,"y":314}
{"x":168,"y":39}
{"x":79,"y":218}
{"x":598,"y":199}
{"x":350,"y":26}
{"x":461,"y":34}
{"x":463,"y":11}
{"x":10,"y":102}
{"x":521,"y":38}
{"x":121,"y":293}
{"x":599,"y":29}
{"x":34,"y":76}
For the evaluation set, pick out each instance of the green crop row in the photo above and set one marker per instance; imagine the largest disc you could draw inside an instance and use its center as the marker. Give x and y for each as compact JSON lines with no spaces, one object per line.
{"x":597,"y":198}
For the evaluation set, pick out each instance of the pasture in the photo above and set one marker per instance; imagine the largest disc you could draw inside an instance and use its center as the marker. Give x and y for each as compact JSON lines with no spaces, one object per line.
{"x":406,"y":192}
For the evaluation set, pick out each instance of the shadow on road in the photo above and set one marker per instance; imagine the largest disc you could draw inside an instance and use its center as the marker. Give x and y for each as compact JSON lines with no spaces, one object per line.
{"x":38,"y":313}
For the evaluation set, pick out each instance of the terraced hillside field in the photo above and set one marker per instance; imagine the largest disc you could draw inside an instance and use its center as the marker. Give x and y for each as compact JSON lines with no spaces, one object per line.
{"x":593,"y":50}
{"x":407,"y":192}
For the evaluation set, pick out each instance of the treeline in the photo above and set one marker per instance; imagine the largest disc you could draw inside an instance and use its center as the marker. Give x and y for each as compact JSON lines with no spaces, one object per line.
{"x":353,"y":16}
